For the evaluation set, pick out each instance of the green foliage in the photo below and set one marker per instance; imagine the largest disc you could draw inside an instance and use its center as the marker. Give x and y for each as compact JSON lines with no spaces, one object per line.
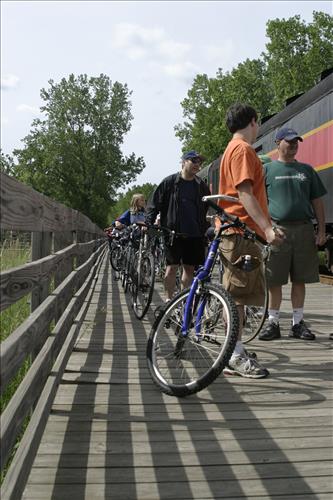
{"x":6,"y":163}
{"x":124,"y":201}
{"x":296,"y":55}
{"x":74,"y":154}
{"x":205,"y":107}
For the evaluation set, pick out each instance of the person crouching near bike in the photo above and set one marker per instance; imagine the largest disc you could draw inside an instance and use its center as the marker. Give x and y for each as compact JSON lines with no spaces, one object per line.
{"x":241,"y":175}
{"x":178,"y":198}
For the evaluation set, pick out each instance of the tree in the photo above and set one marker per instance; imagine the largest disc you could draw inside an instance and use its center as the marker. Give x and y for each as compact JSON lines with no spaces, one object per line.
{"x":6,"y":163}
{"x":74,"y":154}
{"x":205,"y":107}
{"x":296,"y":55}
{"x":124,"y":200}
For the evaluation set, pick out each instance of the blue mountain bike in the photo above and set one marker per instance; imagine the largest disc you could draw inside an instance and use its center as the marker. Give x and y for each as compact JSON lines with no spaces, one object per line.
{"x":194,"y":335}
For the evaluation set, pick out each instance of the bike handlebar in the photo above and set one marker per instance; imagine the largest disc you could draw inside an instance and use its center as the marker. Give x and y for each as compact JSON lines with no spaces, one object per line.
{"x":236,"y":222}
{"x":224,"y":197}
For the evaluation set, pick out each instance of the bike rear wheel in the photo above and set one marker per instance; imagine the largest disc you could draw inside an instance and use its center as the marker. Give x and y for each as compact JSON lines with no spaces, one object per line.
{"x":180,"y":365}
{"x":115,"y":258}
{"x":143,"y":286}
{"x":254,"y":318}
{"x":126,"y":277}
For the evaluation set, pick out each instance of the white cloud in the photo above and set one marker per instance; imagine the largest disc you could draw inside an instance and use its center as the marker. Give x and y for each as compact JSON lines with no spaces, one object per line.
{"x":173,"y":50}
{"x":9,"y":81}
{"x":182,"y":70}
{"x":136,"y":41}
{"x":26,"y":108}
{"x":221,"y":54}
{"x":154,"y":46}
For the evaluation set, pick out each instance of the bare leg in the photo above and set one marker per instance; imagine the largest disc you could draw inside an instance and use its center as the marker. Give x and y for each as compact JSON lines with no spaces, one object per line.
{"x":170,"y":280}
{"x":297,"y":295}
{"x":275,"y":297}
{"x":187,"y":275}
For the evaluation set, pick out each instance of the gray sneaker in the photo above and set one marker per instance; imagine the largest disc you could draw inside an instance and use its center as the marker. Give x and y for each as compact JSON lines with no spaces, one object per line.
{"x":245,"y":367}
{"x":250,"y":354}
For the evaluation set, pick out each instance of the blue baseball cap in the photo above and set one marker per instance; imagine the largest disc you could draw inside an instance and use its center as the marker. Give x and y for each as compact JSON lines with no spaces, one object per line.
{"x":288,"y":134}
{"x":192,"y":154}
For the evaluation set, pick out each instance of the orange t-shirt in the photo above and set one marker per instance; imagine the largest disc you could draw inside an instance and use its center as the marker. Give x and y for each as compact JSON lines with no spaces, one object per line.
{"x":238,"y":164}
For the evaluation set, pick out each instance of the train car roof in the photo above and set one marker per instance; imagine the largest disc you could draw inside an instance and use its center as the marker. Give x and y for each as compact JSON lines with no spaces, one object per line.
{"x":324,"y":87}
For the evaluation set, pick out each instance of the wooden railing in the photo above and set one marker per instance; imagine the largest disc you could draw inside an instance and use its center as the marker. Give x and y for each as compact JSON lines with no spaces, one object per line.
{"x":67,"y":250}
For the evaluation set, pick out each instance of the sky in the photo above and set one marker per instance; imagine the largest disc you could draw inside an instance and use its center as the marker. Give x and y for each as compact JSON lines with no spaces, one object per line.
{"x":156,"y":48}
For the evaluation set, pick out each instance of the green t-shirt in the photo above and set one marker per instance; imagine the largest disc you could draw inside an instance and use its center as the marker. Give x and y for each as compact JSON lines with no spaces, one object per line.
{"x":290,"y":188}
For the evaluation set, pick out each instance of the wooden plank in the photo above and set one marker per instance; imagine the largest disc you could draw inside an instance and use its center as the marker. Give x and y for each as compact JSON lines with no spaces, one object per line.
{"x":178,"y":435}
{"x":99,"y":394}
{"x":200,"y":446}
{"x":251,"y":488}
{"x":117,"y":414}
{"x":107,"y":375}
{"x":176,"y":459}
{"x":114,"y":475}
{"x":91,"y":425}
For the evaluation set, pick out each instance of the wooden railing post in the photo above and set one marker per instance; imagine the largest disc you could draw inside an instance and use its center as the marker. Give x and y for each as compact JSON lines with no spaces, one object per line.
{"x":41,"y":246}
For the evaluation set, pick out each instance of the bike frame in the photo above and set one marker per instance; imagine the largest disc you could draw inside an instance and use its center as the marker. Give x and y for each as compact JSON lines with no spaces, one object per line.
{"x":203,"y":274}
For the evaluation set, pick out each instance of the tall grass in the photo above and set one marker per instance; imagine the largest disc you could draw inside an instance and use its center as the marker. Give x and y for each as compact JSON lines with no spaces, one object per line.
{"x":14,"y":253}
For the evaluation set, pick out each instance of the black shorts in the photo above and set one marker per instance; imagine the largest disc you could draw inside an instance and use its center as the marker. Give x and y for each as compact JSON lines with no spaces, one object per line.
{"x":190,"y":251}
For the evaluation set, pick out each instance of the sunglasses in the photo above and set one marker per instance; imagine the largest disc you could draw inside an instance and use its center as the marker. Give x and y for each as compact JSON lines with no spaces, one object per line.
{"x":196,"y":161}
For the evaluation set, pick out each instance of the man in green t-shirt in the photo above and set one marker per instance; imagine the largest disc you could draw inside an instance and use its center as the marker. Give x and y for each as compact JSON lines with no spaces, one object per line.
{"x":294,"y":192}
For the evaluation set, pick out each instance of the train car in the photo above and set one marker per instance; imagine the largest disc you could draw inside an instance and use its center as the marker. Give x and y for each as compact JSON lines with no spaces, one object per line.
{"x":210,"y":174}
{"x":311,"y":115}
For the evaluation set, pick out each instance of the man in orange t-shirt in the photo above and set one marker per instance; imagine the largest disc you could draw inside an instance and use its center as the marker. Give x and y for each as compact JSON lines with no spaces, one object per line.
{"x":241,"y":175}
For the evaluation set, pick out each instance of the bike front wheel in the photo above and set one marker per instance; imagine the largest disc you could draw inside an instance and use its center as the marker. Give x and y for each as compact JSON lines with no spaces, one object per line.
{"x":182,"y":365}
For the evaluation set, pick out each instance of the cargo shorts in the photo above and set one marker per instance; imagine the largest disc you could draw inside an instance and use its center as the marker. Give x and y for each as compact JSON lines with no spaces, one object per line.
{"x":296,"y":258}
{"x":246,"y":287}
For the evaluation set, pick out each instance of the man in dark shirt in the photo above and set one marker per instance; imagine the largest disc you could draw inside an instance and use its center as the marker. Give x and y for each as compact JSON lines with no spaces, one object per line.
{"x":179,"y":200}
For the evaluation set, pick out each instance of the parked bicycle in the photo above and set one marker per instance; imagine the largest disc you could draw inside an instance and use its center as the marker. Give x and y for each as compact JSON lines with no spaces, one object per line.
{"x":143,"y":272}
{"x":254,"y":316}
{"x":195,"y":334}
{"x":150,"y":260}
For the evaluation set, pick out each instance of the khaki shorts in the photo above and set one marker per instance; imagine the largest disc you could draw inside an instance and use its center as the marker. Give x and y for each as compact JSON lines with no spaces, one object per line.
{"x":246,"y":287}
{"x":297,"y":257}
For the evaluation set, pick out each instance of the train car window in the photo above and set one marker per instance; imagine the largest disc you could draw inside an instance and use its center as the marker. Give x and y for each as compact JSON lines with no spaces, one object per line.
{"x":293,"y":98}
{"x":266,"y":118}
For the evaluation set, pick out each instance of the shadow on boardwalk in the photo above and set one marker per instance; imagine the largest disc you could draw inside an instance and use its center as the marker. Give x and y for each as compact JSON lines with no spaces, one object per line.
{"x":113,"y":435}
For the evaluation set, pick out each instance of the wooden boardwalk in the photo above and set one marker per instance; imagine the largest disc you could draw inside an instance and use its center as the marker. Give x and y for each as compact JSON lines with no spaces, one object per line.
{"x":112,"y":434}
